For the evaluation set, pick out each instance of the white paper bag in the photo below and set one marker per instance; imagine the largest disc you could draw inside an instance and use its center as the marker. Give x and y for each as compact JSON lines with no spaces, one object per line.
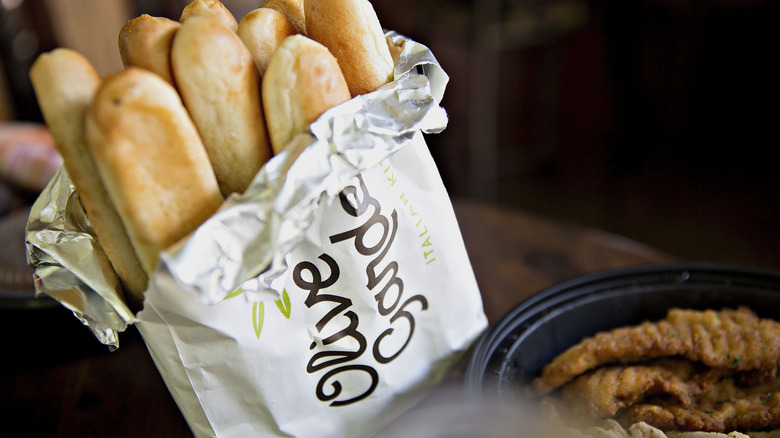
{"x":323,"y":302}
{"x":377,"y":306}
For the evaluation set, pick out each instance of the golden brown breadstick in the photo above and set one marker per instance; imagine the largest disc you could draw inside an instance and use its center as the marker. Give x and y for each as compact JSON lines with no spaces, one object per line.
{"x":303,"y":80}
{"x":152,"y":161}
{"x":145,"y":42}
{"x":262,"y":30}
{"x":220,"y":86}
{"x":65,"y":83}
{"x":213,"y":8}
{"x":292,"y":9}
{"x":350,"y":29}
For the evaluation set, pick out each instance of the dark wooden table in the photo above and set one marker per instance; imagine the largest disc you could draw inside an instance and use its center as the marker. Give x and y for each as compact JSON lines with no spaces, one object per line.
{"x":57,"y":380}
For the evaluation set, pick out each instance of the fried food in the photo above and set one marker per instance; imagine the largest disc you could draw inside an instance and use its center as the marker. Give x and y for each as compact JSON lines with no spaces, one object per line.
{"x":727,"y":406}
{"x":603,"y":392}
{"x":658,"y":392}
{"x":705,"y":371}
{"x":733,"y":339}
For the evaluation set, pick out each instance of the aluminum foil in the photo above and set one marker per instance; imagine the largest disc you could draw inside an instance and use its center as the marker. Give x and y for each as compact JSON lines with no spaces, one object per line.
{"x":70,"y":265}
{"x":244,"y":244}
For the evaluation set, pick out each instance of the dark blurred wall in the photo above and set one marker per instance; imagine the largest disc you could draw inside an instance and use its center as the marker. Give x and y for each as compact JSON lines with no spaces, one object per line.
{"x":649,"y":118}
{"x":24,"y":33}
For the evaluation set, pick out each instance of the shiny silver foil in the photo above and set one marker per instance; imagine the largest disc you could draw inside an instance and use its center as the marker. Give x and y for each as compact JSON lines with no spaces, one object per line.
{"x":244,"y":244}
{"x":70,"y":265}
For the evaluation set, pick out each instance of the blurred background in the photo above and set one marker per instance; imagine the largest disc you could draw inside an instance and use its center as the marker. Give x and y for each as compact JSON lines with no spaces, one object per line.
{"x":653,"y":119}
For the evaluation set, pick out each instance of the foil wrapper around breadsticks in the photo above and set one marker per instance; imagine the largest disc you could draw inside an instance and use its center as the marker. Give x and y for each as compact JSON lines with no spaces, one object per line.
{"x":254,"y":229}
{"x":212,"y":295}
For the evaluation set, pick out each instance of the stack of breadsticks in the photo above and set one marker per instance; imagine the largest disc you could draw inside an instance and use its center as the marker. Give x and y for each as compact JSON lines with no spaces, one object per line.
{"x":200,"y":106}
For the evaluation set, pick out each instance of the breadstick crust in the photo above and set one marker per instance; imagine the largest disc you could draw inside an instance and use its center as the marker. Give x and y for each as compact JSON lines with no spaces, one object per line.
{"x":65,"y":84}
{"x":303,"y":80}
{"x":220,"y":86}
{"x":212,"y":8}
{"x":292,"y":9}
{"x":262,"y":30}
{"x":145,"y":42}
{"x":350,"y":29}
{"x":152,"y":161}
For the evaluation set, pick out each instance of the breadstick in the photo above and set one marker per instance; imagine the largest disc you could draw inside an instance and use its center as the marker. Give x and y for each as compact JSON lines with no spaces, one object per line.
{"x":220,"y":86}
{"x":350,"y":29}
{"x":152,"y":161}
{"x":303,"y":80}
{"x":65,"y":83}
{"x":145,"y":42}
{"x":292,"y":9}
{"x":262,"y":30}
{"x":213,"y":8}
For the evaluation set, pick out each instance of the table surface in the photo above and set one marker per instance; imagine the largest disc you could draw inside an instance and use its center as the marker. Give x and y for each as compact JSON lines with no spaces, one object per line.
{"x":57,"y":380}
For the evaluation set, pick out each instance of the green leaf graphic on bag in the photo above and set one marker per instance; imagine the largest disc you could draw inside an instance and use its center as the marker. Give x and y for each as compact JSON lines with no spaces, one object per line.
{"x":258,"y":314}
{"x":234,"y":294}
{"x":258,"y":311}
{"x":284,"y":304}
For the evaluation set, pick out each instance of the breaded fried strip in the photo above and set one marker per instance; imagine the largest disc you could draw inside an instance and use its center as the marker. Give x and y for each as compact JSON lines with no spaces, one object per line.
{"x":751,"y":412}
{"x":733,"y":339}
{"x":65,"y":84}
{"x":603,"y":392}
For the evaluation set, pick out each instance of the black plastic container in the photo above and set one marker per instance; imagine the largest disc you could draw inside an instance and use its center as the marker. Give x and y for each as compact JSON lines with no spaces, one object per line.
{"x":515,"y":348}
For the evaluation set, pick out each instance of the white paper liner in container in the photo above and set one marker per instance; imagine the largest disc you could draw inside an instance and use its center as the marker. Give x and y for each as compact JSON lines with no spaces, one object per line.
{"x":323,"y":302}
